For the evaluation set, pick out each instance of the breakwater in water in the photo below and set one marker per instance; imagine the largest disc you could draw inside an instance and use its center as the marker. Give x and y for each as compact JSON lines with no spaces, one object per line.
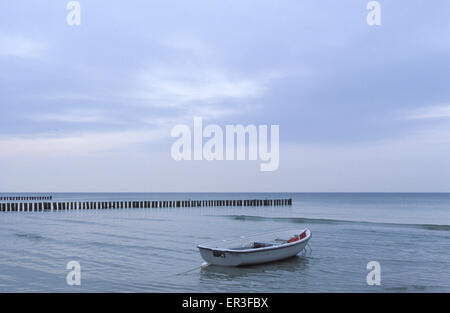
{"x":43,"y":205}
{"x":26,"y":198}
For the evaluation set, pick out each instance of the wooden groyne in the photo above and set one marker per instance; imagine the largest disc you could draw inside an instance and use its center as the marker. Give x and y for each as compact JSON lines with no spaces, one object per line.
{"x":140,"y":204}
{"x":25,"y":198}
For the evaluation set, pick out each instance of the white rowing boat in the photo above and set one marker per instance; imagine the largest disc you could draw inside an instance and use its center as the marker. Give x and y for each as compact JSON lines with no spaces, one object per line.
{"x":246,"y":251}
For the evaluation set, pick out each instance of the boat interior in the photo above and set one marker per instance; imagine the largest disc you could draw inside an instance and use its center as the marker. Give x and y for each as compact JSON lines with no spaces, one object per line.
{"x":261,"y":244}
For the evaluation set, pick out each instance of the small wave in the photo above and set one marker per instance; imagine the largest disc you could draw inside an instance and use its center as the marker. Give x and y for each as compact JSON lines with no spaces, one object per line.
{"x":80,"y":221}
{"x":433,"y":227}
{"x":412,"y":288}
{"x":30,"y":236}
{"x":114,"y":245}
{"x":301,"y":220}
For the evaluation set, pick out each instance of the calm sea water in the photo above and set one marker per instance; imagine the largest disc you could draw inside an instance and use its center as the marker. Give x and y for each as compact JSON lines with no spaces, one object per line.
{"x":154,"y":250}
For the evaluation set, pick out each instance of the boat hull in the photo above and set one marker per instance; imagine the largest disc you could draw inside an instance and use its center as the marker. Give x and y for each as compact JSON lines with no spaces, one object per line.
{"x":225,"y":257}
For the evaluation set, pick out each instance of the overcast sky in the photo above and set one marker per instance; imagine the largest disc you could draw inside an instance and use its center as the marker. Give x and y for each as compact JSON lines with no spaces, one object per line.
{"x":90,"y":107}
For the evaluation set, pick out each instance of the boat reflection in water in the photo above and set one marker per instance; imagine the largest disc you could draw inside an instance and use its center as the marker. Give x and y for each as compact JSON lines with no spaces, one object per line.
{"x":275,"y":269}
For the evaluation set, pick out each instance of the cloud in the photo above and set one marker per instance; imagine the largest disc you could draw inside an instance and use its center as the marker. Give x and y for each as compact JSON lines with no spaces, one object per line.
{"x":186,"y":80}
{"x":438,"y":111}
{"x":20,"y":46}
{"x":83,"y":144}
{"x":188,"y":45}
{"x":417,"y":162}
{"x":173,"y":87}
{"x":190,"y":76}
{"x":74,"y":116}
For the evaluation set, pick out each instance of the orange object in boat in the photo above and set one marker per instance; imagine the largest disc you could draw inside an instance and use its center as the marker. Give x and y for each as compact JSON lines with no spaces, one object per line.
{"x":293,"y":239}
{"x":303,"y":235}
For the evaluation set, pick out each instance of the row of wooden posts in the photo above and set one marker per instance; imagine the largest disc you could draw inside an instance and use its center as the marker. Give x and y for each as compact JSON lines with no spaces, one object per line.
{"x":98,"y":205}
{"x":25,"y":198}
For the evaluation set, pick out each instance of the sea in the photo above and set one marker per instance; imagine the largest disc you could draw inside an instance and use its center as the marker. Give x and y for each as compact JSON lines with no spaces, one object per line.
{"x":155,"y":249}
